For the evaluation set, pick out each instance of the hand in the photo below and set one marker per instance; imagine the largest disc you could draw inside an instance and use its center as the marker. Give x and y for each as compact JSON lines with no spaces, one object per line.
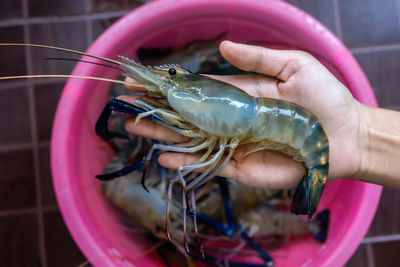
{"x":291,"y":75}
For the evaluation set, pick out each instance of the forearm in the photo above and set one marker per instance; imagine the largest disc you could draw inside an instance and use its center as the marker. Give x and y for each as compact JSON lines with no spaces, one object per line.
{"x":380,"y":147}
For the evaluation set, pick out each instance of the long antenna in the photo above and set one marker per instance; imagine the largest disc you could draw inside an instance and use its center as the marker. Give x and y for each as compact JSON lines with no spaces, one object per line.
{"x":85,"y":61}
{"x":71,"y":76}
{"x":63,"y":49}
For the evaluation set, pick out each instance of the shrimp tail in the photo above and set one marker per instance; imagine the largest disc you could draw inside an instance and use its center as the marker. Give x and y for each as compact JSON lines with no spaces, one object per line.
{"x":320,"y":232}
{"x":308,"y":193}
{"x":299,"y":201}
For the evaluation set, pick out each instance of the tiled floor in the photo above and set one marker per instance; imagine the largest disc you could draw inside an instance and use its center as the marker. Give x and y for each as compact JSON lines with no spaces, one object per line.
{"x":31,"y":229}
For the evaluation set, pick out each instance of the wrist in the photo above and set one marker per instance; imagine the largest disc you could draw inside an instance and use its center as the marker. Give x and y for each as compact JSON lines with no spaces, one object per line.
{"x":364,"y":137}
{"x":379,"y":136}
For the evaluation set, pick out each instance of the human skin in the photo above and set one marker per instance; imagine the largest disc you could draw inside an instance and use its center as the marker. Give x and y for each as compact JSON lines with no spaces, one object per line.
{"x":364,"y":142}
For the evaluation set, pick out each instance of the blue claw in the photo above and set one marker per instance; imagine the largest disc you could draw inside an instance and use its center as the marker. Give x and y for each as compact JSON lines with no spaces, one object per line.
{"x":125,"y":171}
{"x":232,"y":228}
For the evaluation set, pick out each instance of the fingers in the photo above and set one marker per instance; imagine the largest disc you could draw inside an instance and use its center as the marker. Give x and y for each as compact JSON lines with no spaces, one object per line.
{"x":175,"y":160}
{"x":270,"y":169}
{"x":153,"y":130}
{"x":278,"y":63}
{"x":150,"y":129}
{"x":133,"y":88}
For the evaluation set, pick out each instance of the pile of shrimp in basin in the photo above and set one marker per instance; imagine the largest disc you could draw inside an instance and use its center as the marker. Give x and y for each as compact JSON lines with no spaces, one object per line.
{"x":77,"y":154}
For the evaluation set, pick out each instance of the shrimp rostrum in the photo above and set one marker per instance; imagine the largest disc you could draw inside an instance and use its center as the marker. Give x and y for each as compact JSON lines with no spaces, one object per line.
{"x":196,"y":106}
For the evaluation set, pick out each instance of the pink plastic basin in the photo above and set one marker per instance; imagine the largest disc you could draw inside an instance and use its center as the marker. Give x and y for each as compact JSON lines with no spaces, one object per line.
{"x":77,"y":154}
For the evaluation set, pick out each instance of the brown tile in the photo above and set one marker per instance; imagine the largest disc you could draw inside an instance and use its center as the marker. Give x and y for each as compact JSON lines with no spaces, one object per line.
{"x":114,"y":5}
{"x":321,"y":10}
{"x":387,"y":217}
{"x":14,"y":116}
{"x":43,"y":8}
{"x":382,"y":69}
{"x":369,"y":22}
{"x":19,"y":243}
{"x":14,"y":62}
{"x":386,"y":254}
{"x":48,"y":196}
{"x":68,"y":35}
{"x":46,"y":100}
{"x":61,"y":250}
{"x":359,"y":257}
{"x":99,"y":26}
{"x":17,"y":181}
{"x":10,"y":9}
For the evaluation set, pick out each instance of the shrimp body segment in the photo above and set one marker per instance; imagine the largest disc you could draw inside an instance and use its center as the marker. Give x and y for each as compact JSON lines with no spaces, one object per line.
{"x":216,"y":109}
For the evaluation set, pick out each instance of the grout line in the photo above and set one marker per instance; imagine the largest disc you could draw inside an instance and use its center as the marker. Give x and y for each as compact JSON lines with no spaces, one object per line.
{"x":24,"y":211}
{"x":370,"y":256}
{"x":42,"y":144}
{"x":73,"y":18}
{"x":380,"y":239}
{"x":50,"y":208}
{"x":393,"y":107}
{"x":375,"y":48}
{"x":13,"y":84}
{"x":338,"y":21}
{"x":22,"y":146}
{"x":89,"y":23}
{"x":35,"y":81}
{"x":89,"y":33}
{"x":398,"y":14}
{"x":17,"y":146}
{"x":29,"y":70}
{"x":4,"y":213}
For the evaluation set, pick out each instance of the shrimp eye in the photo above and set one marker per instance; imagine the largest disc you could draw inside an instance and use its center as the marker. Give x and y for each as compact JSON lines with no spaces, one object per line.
{"x":172,"y":72}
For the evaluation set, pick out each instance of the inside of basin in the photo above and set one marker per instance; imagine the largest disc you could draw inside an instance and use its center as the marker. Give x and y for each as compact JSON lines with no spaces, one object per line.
{"x":340,"y":197}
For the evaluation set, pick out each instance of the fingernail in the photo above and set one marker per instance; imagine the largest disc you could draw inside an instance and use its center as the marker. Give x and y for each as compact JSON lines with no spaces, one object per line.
{"x":227,"y":42}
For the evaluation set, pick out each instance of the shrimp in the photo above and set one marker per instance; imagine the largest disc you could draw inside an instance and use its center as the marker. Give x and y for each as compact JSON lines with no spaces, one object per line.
{"x":146,"y":211}
{"x":196,"y":106}
{"x":253,"y":207}
{"x":267,"y":221}
{"x":264,"y":123}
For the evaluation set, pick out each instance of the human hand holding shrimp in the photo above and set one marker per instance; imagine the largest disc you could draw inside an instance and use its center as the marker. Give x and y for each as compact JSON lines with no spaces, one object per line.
{"x":297,"y":77}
